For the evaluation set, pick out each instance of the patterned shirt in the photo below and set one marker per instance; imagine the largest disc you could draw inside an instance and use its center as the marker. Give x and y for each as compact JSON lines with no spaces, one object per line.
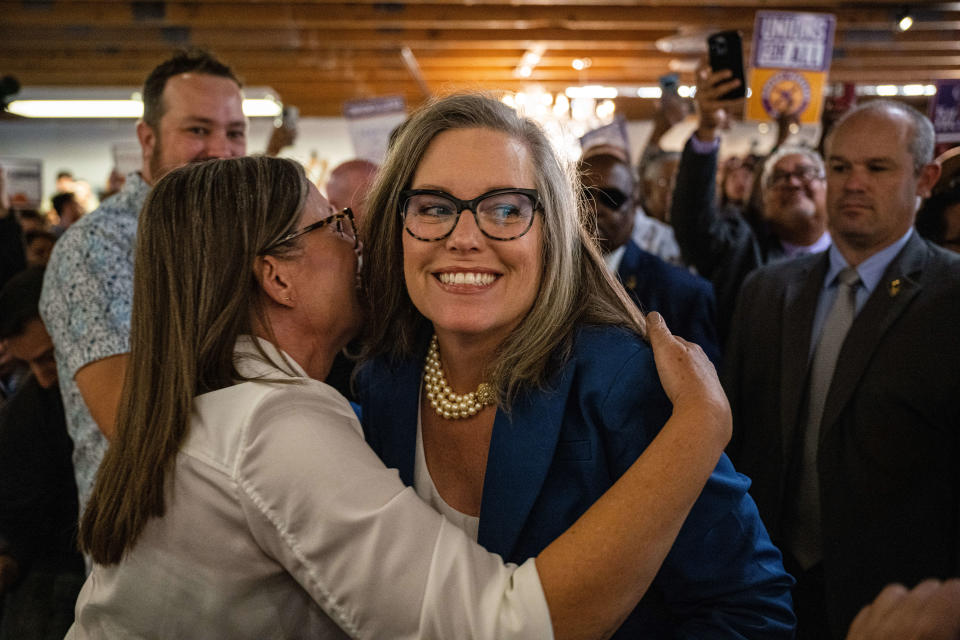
{"x":85,"y":304}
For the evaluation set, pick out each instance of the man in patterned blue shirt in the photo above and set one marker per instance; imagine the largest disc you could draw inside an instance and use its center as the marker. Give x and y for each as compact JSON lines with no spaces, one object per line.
{"x":192,"y":111}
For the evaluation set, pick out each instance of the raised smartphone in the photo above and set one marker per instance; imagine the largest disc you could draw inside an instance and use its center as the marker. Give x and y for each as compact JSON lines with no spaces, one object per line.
{"x":726,"y":52}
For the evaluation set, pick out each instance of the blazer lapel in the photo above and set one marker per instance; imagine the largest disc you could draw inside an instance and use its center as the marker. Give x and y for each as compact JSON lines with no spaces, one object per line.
{"x":799,"y":307}
{"x":630,"y":268}
{"x":398,"y":434}
{"x":521,"y":450}
{"x":896,"y":289}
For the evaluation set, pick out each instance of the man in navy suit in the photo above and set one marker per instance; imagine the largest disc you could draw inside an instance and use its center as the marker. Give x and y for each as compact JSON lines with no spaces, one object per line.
{"x":684,"y":300}
{"x":854,"y":466}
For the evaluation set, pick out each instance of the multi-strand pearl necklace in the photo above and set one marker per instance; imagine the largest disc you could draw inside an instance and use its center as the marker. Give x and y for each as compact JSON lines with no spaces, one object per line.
{"x":445,"y":402}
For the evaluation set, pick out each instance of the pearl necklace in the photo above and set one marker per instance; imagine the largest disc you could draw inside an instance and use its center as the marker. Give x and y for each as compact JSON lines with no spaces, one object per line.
{"x":447,"y":404}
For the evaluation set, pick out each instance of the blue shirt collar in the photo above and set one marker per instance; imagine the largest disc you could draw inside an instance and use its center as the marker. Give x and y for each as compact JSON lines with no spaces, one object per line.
{"x":871,"y":269}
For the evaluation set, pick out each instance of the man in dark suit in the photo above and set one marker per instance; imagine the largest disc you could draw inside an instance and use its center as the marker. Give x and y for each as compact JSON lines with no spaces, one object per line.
{"x":854,"y":463}
{"x":684,"y":300}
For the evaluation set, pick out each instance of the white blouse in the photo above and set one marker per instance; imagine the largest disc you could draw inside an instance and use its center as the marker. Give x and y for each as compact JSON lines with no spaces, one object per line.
{"x":282,"y":523}
{"x":427,"y":490}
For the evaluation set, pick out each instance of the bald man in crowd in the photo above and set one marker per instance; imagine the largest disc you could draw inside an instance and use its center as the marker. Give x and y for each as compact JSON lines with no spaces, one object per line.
{"x":349,"y":183}
{"x":842,"y":372}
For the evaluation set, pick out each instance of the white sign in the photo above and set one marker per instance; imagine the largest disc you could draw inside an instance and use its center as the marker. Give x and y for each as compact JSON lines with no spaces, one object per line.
{"x":784,"y":40}
{"x":127,"y":157}
{"x":370,"y":123}
{"x":24,"y":180}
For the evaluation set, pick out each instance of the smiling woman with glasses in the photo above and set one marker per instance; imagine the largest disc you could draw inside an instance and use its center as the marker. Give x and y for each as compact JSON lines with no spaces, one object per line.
{"x":501,"y":214}
{"x":507,"y":377}
{"x":238,"y":498}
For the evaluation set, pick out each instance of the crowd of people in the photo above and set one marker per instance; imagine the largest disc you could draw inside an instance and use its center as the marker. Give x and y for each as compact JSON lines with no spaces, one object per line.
{"x":476,"y":392}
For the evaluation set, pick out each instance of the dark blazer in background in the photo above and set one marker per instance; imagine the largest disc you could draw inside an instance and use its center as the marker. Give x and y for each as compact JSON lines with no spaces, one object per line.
{"x":722,"y":249}
{"x":684,"y":300}
{"x":560,"y":449}
{"x":889,"y":460}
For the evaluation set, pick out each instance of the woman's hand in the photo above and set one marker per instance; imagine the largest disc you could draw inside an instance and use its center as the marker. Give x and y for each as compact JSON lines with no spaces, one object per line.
{"x":689,"y":379}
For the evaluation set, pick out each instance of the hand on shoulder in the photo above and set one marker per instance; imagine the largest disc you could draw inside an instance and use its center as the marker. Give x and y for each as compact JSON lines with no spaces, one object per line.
{"x":689,"y":380}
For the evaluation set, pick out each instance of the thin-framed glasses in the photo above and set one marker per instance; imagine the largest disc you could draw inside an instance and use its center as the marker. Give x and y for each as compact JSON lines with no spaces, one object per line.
{"x":501,"y":214}
{"x":345,"y":227}
{"x":804,"y":174}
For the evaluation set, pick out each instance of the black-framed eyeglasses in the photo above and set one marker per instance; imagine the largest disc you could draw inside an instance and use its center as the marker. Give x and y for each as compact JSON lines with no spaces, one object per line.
{"x":610,"y":197}
{"x":501,"y":214}
{"x":345,"y":227}
{"x":804,"y":174}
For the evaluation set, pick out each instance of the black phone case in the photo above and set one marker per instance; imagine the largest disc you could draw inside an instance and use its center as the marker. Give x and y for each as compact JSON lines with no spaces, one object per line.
{"x":726,"y":52}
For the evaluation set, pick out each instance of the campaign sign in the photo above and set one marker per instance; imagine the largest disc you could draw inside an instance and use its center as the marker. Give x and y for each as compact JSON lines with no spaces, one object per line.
{"x":945,"y":111}
{"x":370,"y":123}
{"x":790,"y":58}
{"x":24,"y":179}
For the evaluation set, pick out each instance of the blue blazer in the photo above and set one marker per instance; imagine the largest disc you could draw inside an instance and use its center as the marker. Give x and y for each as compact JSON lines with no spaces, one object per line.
{"x":684,"y":300}
{"x":559,"y":449}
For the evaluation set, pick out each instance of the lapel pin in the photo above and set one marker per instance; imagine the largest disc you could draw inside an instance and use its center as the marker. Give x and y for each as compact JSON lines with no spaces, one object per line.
{"x":631,"y":282}
{"x":894,"y":288}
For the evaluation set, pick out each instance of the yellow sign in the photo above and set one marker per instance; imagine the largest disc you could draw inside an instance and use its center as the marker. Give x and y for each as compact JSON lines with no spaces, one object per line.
{"x":777,"y":92}
{"x":790,"y":59}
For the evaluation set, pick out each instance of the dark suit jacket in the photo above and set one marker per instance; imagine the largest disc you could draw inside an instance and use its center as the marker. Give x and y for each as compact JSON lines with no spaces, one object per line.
{"x":38,"y":495}
{"x":889,"y":461}
{"x":560,"y":449}
{"x":723,"y":249}
{"x":684,"y":300}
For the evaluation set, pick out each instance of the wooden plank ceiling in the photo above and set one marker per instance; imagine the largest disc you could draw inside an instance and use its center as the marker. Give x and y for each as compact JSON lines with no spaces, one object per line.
{"x":316,"y":54}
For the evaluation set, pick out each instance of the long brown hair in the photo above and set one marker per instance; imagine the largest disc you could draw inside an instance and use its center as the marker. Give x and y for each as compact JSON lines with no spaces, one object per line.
{"x":195,"y":292}
{"x":575,"y":285}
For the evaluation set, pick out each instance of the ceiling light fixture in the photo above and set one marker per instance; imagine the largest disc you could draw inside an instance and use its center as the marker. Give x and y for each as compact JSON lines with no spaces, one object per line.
{"x":529,"y":60}
{"x":595,"y":91}
{"x":904,"y":20}
{"x":46,"y":102}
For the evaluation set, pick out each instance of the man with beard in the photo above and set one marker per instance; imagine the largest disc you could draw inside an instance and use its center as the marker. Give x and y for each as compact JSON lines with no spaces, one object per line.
{"x":192,"y":111}
{"x":842,"y":374}
{"x":725,"y":249}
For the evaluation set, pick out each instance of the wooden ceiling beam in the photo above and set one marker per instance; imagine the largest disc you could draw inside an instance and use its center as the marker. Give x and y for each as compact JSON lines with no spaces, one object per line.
{"x":335,"y":16}
{"x":348,"y":62}
{"x":147,"y":38}
{"x":784,"y":5}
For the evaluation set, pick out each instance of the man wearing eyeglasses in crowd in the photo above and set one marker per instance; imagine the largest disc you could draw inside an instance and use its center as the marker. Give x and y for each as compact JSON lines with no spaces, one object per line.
{"x":724,"y":250}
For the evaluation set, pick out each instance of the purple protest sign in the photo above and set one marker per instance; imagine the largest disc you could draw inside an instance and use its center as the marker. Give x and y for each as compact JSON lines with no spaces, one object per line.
{"x":945,"y":111}
{"x":788,"y":40}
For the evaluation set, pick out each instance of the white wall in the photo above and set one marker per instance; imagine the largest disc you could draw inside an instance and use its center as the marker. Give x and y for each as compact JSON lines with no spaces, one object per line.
{"x":742,"y":138}
{"x":85,"y":146}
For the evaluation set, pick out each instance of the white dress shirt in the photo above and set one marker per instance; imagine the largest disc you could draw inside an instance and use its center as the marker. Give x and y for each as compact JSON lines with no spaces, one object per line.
{"x":282,"y":523}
